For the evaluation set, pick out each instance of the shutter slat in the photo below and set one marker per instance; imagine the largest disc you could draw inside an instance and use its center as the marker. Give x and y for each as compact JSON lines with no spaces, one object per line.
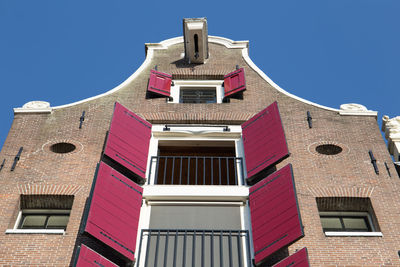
{"x":114,"y":210}
{"x":298,"y":259}
{"x":234,"y":82}
{"x":275,"y":217}
{"x":160,"y":83}
{"x":128,"y":140}
{"x":264,"y":140}
{"x":88,"y":257}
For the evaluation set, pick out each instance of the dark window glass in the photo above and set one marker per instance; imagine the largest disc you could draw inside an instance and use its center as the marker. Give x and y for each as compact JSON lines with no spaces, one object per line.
{"x":198,"y":95}
{"x":345,"y":223}
{"x":44,"y":221}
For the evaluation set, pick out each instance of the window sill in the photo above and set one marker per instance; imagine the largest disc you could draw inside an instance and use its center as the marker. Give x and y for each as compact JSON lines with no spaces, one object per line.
{"x":379,"y":234}
{"x":35,"y":231}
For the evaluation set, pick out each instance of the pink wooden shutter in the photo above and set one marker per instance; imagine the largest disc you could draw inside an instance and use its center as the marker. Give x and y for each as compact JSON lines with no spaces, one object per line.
{"x":114,"y":210}
{"x":275,"y":217}
{"x":88,"y":257}
{"x":160,"y":83}
{"x":298,"y":259}
{"x":264,"y":140}
{"x":234,"y":82}
{"x":128,"y":140}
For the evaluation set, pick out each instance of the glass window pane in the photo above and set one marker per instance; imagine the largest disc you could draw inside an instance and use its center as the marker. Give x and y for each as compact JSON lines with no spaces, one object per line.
{"x":195,"y":217}
{"x":57,"y":222}
{"x":34,"y":222}
{"x":331,"y":223}
{"x":357,"y":224}
{"x":198,"y":95}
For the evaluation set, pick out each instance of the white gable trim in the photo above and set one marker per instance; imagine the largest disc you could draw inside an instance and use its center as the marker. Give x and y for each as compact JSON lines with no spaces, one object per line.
{"x":150,"y":47}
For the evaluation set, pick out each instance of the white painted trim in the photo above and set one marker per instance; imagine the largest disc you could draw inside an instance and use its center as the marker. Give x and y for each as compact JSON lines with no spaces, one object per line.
{"x":379,"y":234}
{"x":176,"y":89}
{"x":358,"y":113}
{"x":35,"y":231}
{"x":195,"y":192}
{"x":195,"y":203}
{"x":201,"y":132}
{"x":38,"y":110}
{"x":150,"y":47}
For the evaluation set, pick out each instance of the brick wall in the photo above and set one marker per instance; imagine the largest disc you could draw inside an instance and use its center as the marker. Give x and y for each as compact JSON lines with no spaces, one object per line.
{"x":349,"y":173}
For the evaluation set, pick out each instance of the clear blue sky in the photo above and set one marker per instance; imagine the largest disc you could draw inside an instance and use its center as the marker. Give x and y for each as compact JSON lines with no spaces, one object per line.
{"x":329,"y":52}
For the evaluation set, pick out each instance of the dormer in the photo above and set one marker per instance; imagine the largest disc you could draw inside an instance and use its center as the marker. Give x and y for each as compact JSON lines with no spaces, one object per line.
{"x":195,"y":36}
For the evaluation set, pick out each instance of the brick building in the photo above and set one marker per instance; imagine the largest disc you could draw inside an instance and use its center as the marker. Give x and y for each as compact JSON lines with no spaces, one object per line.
{"x":197,"y":159}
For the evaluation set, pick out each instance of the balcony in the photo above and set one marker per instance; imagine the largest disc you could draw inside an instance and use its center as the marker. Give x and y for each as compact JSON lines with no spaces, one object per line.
{"x":196,"y":170}
{"x":188,"y":247}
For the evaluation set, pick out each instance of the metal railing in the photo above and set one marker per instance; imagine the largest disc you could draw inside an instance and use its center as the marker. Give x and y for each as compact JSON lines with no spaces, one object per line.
{"x":196,"y":170}
{"x":202,"y":248}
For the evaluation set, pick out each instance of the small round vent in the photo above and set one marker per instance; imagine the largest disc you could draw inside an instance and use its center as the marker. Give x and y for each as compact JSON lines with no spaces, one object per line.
{"x":328,"y":149}
{"x":62,"y":148}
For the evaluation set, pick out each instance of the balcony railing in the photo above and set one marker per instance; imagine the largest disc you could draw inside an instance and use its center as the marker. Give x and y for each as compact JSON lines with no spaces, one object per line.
{"x":192,"y":170}
{"x":202,"y":248}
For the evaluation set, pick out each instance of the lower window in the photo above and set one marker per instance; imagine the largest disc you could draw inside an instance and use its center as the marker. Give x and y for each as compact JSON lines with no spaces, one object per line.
{"x":346,"y":221}
{"x":44,"y":219}
{"x":42,"y":214}
{"x":344,"y":216}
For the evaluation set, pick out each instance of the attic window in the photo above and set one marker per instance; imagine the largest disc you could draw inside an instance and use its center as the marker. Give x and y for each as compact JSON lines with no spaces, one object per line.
{"x":197,"y":91}
{"x":197,"y":95}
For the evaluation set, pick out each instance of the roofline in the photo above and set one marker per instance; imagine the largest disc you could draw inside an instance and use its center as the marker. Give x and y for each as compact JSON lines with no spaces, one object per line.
{"x":244,"y":45}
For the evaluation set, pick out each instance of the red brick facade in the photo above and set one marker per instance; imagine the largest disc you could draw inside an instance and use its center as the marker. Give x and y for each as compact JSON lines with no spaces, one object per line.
{"x":348,"y":174}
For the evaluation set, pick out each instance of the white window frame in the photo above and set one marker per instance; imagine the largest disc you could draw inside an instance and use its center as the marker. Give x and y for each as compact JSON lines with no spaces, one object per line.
{"x":17,"y":230}
{"x":176,"y":88}
{"x":350,"y":233}
{"x":154,"y":194}
{"x":153,"y":200}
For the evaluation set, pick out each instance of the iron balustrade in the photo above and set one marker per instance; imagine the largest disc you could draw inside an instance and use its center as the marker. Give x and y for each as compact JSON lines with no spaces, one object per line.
{"x":196,"y":170}
{"x":194,"y":247}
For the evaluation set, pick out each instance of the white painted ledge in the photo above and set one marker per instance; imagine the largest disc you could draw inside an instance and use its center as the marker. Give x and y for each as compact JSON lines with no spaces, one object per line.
{"x":195,"y":192}
{"x":379,"y":234}
{"x":38,"y":110}
{"x":36,"y":231}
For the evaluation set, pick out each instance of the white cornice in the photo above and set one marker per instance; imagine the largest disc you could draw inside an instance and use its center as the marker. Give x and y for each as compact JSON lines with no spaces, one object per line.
{"x":391,"y":127}
{"x":150,"y":47}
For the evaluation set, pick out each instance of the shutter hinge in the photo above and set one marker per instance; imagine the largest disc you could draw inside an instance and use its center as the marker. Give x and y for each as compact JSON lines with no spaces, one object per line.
{"x":309,"y":119}
{"x":387,"y":168}
{"x":2,"y":164}
{"x":81,"y":119}
{"x":373,"y":161}
{"x":16,"y":159}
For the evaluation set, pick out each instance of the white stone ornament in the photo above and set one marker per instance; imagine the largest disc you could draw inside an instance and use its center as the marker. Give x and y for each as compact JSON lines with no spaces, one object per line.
{"x":353,"y":106}
{"x":34,"y":107}
{"x":356,"y":109}
{"x":391,"y":127}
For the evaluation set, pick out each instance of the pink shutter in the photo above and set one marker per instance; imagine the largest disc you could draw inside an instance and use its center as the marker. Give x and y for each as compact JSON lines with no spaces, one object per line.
{"x":160,"y":83}
{"x":88,"y":257}
{"x":298,"y":259}
{"x":234,"y":82}
{"x":128,"y":140}
{"x":275,"y":217}
{"x":114,"y":210}
{"x":264,"y":140}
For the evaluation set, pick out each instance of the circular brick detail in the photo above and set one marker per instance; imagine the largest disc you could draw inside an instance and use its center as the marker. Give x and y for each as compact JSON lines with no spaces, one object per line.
{"x":328,"y":149}
{"x":62,"y":147}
